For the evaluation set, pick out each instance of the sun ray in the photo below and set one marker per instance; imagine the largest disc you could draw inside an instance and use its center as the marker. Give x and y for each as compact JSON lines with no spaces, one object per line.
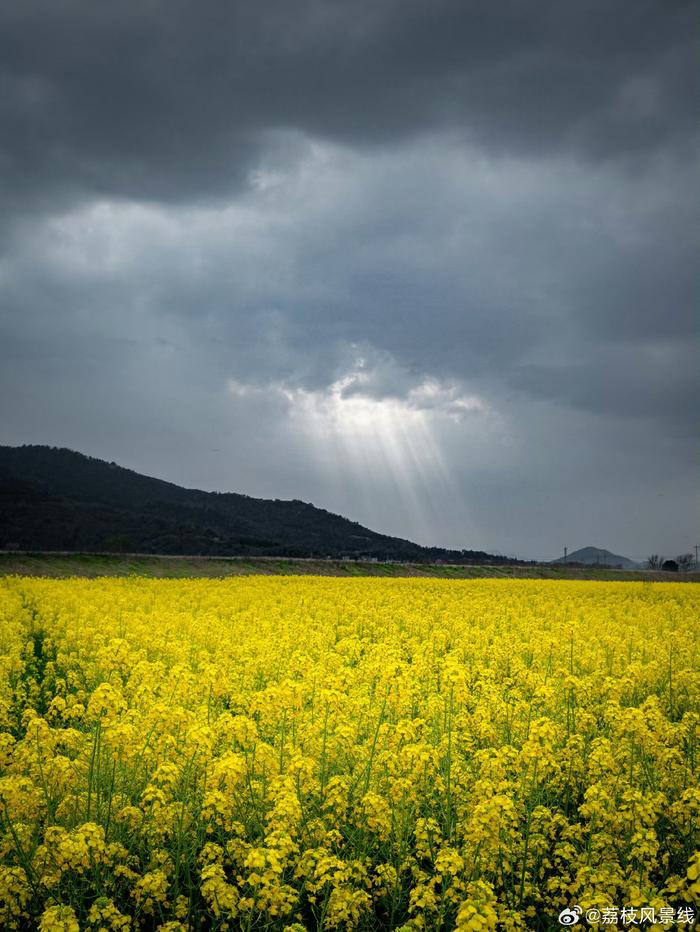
{"x":375,"y":444}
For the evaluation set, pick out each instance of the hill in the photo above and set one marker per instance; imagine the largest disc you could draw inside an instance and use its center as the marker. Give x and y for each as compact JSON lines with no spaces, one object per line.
{"x":596,"y":556}
{"x":56,"y":499}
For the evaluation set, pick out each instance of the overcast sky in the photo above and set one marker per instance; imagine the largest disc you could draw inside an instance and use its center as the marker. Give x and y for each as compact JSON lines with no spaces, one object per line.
{"x":432,"y":265}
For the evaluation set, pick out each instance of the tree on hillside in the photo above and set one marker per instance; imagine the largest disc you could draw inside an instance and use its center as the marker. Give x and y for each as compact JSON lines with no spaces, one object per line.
{"x":685,"y":561}
{"x":655,"y":561}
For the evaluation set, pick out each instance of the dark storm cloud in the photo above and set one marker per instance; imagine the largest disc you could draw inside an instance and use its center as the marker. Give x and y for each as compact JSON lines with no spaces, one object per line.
{"x":171,"y":100}
{"x":430,"y":263}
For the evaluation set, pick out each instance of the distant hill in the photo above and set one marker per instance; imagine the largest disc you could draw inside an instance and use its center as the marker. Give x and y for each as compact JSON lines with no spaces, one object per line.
{"x":596,"y":556}
{"x":56,"y":499}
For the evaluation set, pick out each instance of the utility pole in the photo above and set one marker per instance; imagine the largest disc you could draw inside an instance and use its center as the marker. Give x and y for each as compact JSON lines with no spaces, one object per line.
{"x":566,"y":550}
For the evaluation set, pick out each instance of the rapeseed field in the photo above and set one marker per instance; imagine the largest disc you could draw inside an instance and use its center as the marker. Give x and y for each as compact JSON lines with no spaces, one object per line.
{"x":307,"y":753}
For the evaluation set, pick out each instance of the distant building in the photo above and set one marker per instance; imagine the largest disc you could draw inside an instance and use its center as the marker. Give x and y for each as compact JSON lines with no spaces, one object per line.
{"x":671,"y":566}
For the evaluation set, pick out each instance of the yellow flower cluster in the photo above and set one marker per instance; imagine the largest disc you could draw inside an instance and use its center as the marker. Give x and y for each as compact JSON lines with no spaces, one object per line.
{"x":307,"y":753}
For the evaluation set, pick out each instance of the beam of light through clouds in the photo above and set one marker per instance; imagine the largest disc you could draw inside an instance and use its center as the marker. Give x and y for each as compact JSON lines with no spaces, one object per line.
{"x":365,"y":443}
